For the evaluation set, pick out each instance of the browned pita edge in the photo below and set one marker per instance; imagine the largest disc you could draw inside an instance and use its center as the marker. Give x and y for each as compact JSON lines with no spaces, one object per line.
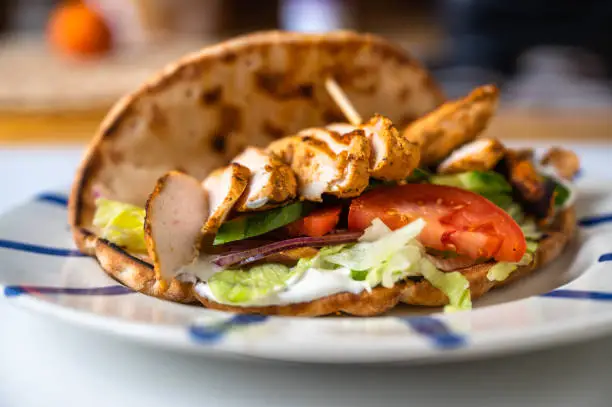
{"x":135,"y":273}
{"x":422,"y":293}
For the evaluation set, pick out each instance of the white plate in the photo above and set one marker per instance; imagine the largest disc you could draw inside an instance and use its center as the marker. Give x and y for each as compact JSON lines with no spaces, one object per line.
{"x":568,"y":301}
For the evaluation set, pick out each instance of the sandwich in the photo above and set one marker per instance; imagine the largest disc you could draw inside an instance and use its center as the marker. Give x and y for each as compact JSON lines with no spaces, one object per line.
{"x":244,"y":178}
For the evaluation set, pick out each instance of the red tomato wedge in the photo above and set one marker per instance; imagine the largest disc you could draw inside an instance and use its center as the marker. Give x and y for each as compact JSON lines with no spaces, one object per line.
{"x":457,"y":219}
{"x":318,"y":223}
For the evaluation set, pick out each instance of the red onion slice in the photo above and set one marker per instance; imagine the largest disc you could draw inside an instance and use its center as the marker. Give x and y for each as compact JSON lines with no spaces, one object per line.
{"x":252,"y":255}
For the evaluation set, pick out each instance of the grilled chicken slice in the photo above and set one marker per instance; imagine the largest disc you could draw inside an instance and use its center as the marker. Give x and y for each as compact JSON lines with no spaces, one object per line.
{"x":565,"y":162}
{"x":479,"y":155}
{"x":453,"y":124}
{"x":523,"y":175}
{"x":326,"y":162}
{"x":272,"y":182}
{"x":535,"y":193}
{"x":393,"y":158}
{"x":175,"y":213}
{"x":224,"y":187}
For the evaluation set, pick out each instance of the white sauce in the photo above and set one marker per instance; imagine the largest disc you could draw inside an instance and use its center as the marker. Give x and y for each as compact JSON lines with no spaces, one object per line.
{"x":203,"y":268}
{"x":313,"y":284}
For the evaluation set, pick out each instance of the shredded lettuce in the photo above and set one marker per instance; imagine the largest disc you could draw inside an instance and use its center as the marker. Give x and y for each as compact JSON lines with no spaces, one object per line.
{"x":454,"y":285}
{"x":530,"y":229}
{"x":502,"y":270}
{"x":240,"y":286}
{"x":382,"y":256}
{"x":121,"y":223}
{"x":374,"y":254}
{"x":532,"y":246}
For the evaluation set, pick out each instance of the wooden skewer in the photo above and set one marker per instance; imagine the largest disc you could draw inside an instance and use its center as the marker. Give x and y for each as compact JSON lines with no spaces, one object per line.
{"x":343,"y":102}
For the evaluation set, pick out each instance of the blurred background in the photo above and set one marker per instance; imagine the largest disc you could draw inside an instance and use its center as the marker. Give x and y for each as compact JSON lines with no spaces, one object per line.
{"x":63,"y":63}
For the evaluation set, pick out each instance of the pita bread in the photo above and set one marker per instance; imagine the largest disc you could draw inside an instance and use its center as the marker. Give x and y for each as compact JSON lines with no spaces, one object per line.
{"x":201,"y":111}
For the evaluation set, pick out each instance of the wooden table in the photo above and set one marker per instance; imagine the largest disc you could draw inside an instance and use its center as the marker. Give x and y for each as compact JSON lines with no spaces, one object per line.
{"x":69,"y":126}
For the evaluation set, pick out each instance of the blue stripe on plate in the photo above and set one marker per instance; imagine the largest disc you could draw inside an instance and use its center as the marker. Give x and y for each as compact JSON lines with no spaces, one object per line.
{"x":580,"y":295}
{"x":32,"y":248}
{"x":213,"y":333}
{"x":17,"y":290}
{"x":595,"y":220}
{"x":436,"y":331}
{"x":605,"y":257}
{"x":57,"y":199}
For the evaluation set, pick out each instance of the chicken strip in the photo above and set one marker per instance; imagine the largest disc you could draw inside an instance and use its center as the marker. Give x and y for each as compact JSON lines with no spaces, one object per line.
{"x":565,"y":162}
{"x":175,"y":213}
{"x":326,"y":162}
{"x":393,"y":157}
{"x":272,"y":182}
{"x":479,"y":155}
{"x":224,"y":187}
{"x":535,"y":192}
{"x":453,"y":124}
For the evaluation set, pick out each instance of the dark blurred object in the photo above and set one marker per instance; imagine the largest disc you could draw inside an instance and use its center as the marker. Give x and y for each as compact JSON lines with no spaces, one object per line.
{"x":5,"y":13}
{"x":492,"y":34}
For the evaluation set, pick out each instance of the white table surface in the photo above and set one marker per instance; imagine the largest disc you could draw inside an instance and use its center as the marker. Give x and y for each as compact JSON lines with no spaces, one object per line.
{"x":44,"y":362}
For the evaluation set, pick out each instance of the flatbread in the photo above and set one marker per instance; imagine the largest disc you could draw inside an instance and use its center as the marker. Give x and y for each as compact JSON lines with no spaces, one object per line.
{"x":381,"y":299}
{"x":200,"y":112}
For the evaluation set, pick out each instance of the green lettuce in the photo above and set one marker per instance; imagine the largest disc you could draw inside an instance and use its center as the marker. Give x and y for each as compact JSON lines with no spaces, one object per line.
{"x":453,"y":284}
{"x":382,"y":256}
{"x":241,"y":286}
{"x":502,"y":270}
{"x":121,"y":224}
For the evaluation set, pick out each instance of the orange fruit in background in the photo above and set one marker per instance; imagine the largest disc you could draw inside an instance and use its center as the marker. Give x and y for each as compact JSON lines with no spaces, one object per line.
{"x":76,"y":29}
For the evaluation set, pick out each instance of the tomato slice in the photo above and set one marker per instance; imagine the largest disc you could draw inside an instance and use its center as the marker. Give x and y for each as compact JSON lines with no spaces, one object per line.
{"x":318,"y":223}
{"x":456,"y":219}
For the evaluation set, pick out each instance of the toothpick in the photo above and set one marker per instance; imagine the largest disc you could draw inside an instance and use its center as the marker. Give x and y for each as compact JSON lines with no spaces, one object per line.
{"x":343,"y":102}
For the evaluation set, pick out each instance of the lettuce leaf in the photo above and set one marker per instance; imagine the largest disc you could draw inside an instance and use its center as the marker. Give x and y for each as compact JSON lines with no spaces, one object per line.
{"x":502,"y":270}
{"x":453,"y":284}
{"x":121,"y":223}
{"x":240,"y":286}
{"x":368,"y":255}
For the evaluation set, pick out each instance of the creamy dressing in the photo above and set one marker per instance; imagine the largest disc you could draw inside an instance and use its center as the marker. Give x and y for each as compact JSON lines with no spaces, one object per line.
{"x":313,"y":284}
{"x":203,"y":268}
